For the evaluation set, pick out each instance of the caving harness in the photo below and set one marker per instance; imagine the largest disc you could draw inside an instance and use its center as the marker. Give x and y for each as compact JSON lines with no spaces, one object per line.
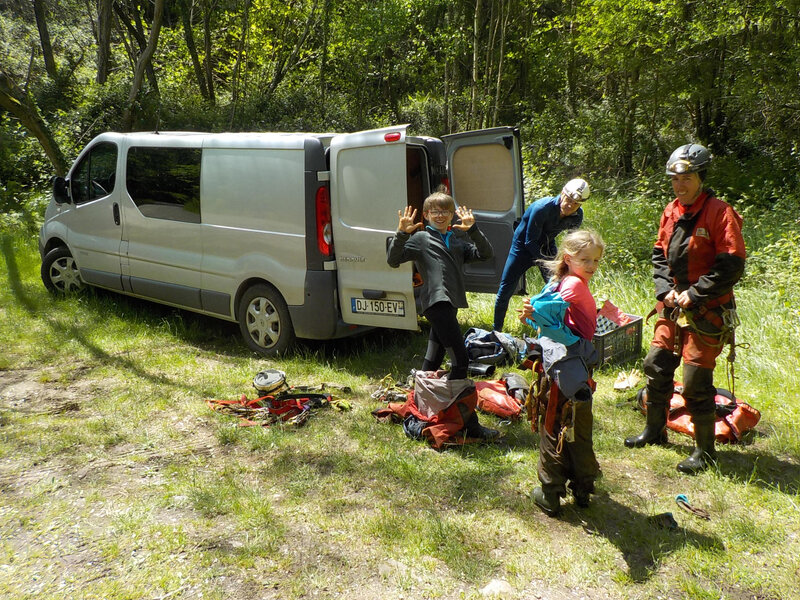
{"x":725,"y":322}
{"x":544,"y":393}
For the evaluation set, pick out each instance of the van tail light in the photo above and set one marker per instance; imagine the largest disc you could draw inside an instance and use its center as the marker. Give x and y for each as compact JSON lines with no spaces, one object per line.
{"x":392,"y":136}
{"x":446,"y":184}
{"x":324,"y":226}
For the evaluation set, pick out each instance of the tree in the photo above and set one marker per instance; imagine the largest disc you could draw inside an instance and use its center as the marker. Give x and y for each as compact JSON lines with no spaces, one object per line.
{"x":40,"y":11}
{"x":104,"y":20}
{"x":18,"y":103}
{"x":142,"y":63}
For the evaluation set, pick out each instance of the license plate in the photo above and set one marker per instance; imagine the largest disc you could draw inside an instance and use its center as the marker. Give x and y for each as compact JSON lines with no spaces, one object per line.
{"x":367,"y":306}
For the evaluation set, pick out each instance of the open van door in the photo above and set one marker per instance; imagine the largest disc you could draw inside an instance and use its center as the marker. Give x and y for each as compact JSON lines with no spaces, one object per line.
{"x":368,"y":187}
{"x":485,"y":170}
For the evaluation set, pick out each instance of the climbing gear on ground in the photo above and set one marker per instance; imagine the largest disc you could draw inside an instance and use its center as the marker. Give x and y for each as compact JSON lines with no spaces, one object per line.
{"x":288,"y":405}
{"x":683,"y":502}
{"x":389,"y":390}
{"x":269,"y":381}
{"x":286,"y":408}
{"x":548,"y":502}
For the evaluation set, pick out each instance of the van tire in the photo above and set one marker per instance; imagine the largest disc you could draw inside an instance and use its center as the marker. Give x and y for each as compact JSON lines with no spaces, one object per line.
{"x":264,"y":321}
{"x":60,"y":273}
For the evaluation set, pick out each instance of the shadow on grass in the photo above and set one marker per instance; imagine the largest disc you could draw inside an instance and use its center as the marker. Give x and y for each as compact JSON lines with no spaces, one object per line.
{"x":76,"y":332}
{"x":642,"y":543}
{"x":751,"y":466}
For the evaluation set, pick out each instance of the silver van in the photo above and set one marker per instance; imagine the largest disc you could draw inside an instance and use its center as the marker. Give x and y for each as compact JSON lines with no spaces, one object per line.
{"x":284,"y":233}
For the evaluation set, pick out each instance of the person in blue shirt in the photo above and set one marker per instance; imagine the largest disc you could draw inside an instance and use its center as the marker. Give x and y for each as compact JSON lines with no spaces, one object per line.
{"x":535,"y":239}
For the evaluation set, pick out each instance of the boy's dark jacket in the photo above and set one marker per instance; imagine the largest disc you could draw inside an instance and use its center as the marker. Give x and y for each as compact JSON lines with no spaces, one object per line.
{"x":441,"y":267}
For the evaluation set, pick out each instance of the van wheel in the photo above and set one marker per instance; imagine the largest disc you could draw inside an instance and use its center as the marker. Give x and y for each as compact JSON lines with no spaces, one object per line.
{"x":264,"y":321}
{"x":60,"y":273}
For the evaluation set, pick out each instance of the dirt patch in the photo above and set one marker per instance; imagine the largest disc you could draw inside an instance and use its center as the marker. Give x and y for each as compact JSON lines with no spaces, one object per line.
{"x":46,"y":391}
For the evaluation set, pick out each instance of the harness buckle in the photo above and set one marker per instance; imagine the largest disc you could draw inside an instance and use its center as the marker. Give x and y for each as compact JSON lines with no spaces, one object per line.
{"x":730,"y":318}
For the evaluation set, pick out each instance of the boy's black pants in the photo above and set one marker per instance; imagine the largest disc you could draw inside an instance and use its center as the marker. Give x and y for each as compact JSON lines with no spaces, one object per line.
{"x":445,"y":336}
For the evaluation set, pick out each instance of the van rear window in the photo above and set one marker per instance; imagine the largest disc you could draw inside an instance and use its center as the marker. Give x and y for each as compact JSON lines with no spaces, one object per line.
{"x":165,"y":182}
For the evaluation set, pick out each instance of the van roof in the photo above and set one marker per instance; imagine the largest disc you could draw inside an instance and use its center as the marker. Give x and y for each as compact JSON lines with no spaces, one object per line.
{"x":251,"y":139}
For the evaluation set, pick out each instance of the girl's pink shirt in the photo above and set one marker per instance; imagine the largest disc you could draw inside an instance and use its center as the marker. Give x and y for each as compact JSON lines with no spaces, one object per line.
{"x":581,"y":314}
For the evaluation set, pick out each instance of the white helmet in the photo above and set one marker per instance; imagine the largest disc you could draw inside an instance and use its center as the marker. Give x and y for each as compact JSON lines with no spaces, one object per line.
{"x":577,"y":189}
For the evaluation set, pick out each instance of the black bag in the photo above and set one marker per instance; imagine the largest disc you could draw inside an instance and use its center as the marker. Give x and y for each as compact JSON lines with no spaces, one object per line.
{"x":492,"y":347}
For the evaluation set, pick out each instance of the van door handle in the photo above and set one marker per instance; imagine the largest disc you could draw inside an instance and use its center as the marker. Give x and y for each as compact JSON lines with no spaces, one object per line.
{"x":373,"y":294}
{"x":116,"y":213}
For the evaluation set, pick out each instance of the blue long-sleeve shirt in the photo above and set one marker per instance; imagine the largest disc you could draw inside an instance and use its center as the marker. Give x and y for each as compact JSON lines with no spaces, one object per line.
{"x":541,"y":223}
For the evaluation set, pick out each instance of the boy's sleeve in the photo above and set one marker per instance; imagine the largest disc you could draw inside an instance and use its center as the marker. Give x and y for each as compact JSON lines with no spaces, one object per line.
{"x":397,"y":252}
{"x":480,"y":248}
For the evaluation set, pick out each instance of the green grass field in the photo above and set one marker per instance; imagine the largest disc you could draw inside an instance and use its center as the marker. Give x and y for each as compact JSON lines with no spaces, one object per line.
{"x":118,"y":482}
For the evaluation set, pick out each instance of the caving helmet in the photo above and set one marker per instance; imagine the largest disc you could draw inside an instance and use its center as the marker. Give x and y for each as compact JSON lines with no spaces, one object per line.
{"x":689,"y":158}
{"x":577,"y":190}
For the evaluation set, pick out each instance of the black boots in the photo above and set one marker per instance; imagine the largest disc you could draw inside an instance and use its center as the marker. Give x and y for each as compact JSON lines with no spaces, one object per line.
{"x":704,"y":454}
{"x":655,"y":429}
{"x":548,"y":502}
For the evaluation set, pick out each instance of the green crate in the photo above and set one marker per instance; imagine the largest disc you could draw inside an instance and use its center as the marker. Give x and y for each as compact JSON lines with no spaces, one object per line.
{"x":621,"y":344}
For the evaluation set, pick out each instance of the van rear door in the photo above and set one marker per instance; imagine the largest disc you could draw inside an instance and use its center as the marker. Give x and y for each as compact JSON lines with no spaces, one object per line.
{"x":368,"y":187}
{"x":485,"y":170}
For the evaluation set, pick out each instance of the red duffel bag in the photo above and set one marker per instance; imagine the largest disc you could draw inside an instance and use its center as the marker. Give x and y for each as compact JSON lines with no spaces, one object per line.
{"x":734,"y":417}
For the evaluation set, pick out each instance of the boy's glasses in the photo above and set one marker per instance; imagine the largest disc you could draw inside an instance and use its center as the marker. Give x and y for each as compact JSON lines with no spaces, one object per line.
{"x":440,"y":213}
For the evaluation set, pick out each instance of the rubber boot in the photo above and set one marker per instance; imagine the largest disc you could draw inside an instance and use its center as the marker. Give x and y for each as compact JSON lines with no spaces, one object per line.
{"x":704,"y":454}
{"x":655,"y":429}
{"x":549,"y":503}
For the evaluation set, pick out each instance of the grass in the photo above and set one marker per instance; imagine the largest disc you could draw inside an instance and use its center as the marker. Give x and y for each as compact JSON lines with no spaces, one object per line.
{"x":117,"y":481}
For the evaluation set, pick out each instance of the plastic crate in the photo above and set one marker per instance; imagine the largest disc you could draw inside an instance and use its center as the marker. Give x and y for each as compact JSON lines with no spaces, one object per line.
{"x":621,"y":344}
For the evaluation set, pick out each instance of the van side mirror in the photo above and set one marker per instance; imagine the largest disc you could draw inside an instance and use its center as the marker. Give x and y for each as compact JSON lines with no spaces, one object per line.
{"x":60,"y":194}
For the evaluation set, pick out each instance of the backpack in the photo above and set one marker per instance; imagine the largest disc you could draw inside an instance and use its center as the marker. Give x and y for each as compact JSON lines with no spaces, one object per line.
{"x":493,"y":347}
{"x":733,"y":417}
{"x":504,"y":397}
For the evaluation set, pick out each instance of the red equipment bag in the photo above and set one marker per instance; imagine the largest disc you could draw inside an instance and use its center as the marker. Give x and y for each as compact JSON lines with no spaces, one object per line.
{"x":493,"y":397}
{"x":734,"y":417}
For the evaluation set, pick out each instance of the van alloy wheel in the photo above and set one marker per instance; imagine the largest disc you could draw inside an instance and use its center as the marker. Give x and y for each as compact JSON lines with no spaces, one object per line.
{"x":264,"y":320}
{"x":60,"y":273}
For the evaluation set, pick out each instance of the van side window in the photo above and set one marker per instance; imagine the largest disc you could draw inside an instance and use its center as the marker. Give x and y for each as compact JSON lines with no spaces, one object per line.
{"x":165,"y":182}
{"x":95,"y":175}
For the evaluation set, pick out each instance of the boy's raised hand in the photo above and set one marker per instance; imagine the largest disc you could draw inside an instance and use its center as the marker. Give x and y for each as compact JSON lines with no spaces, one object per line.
{"x":466,"y":217}
{"x":407,"y":216}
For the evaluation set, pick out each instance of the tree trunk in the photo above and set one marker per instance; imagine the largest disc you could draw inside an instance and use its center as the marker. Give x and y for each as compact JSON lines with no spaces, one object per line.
{"x":133,"y":24}
{"x":207,"y":10}
{"x":104,"y":17}
{"x":143,"y":63}
{"x":323,"y":65}
{"x":19,"y":104}
{"x":503,"y":26}
{"x":235,"y":76}
{"x":39,"y":10}
{"x":188,"y":35}
{"x":473,"y":106}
